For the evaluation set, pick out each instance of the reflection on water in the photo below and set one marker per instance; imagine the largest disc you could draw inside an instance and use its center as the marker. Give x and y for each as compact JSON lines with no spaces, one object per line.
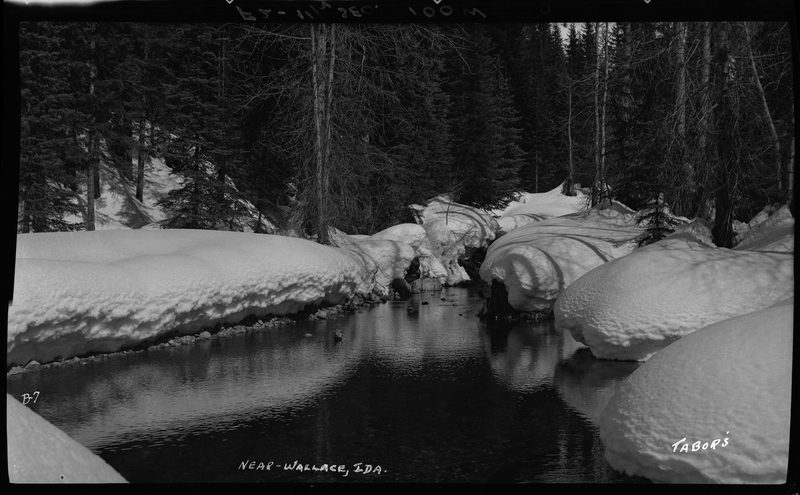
{"x":425,"y":391}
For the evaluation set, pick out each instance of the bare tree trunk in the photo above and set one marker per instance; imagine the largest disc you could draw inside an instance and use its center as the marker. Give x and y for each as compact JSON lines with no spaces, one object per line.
{"x":723,"y":219}
{"x":597,"y":185}
{"x":603,"y":120}
{"x":569,"y":189}
{"x":93,"y":143}
{"x":680,"y":104}
{"x":776,"y":144}
{"x":323,"y":101}
{"x":705,"y":154}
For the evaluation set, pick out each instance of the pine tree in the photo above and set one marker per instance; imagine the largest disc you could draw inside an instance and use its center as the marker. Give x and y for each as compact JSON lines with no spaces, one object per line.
{"x":659,"y":223}
{"x":205,"y":151}
{"x":50,"y":147}
{"x":485,"y":144}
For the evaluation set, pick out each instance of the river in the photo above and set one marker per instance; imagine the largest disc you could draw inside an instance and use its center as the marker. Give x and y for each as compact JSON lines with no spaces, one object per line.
{"x":417,"y":391}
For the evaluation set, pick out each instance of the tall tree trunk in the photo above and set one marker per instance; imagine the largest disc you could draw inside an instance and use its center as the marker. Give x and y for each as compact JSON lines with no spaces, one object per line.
{"x":705,"y":156}
{"x":322,"y":87}
{"x":776,"y":144}
{"x":568,"y":189}
{"x":604,"y":193}
{"x":680,"y":109}
{"x":91,"y":171}
{"x":597,"y":185}
{"x":723,"y":219}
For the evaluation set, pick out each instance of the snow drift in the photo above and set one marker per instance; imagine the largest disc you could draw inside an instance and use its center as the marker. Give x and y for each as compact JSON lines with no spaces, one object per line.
{"x":532,"y":207}
{"x":714,"y":407}
{"x":452,"y":231}
{"x":81,"y":292}
{"x":38,"y":452}
{"x":633,"y":306}
{"x":537,"y":262}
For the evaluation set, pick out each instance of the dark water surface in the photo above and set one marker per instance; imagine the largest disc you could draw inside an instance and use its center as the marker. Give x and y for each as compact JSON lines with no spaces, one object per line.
{"x":424,"y":391}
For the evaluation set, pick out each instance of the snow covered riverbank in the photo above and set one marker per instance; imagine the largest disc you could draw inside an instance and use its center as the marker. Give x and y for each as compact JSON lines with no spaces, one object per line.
{"x":714,"y":407}
{"x":633,"y":306}
{"x":82,"y":292}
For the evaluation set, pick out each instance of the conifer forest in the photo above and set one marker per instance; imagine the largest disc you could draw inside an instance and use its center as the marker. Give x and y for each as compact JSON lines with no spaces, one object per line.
{"x":346,"y":125}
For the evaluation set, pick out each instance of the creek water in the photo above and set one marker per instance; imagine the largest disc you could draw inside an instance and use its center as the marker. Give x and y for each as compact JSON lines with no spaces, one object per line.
{"x":416,"y":391}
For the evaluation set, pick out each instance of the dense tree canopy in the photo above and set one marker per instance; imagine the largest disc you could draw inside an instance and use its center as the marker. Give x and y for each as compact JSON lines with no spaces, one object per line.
{"x":346,"y":125}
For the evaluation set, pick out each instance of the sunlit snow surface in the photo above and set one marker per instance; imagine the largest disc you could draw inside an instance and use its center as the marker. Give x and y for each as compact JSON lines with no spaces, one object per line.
{"x":452,"y":229}
{"x":538,"y":261}
{"x":729,"y":382}
{"x":83,"y":292}
{"x":633,"y":306}
{"x":118,"y":208}
{"x":532,"y":207}
{"x":38,"y":452}
{"x":387,"y":255}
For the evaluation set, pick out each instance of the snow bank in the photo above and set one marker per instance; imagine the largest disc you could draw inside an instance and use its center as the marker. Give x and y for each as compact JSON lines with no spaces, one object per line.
{"x":416,"y":237}
{"x":547,"y":204}
{"x":80,"y":292}
{"x":632,"y":307}
{"x":452,"y":229}
{"x":776,"y":233}
{"x":714,"y":407}
{"x":537,"y":262}
{"x":388,"y":254}
{"x":38,"y":452}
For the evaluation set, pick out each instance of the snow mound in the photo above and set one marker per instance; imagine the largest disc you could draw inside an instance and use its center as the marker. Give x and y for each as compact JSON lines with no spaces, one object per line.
{"x":632,"y":307}
{"x":38,"y":452}
{"x":547,"y":204}
{"x":452,"y":229}
{"x":416,"y":237}
{"x":81,"y":292}
{"x":699,"y":229}
{"x":537,"y":262}
{"x":776,"y":233}
{"x":714,"y":407}
{"x":387,"y":255}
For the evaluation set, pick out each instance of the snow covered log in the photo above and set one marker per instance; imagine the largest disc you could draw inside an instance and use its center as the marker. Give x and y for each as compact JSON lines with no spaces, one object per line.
{"x":714,"y":407}
{"x":453,"y":229}
{"x":38,"y":452}
{"x":632,"y":307}
{"x":81,"y":292}
{"x":537,"y":262}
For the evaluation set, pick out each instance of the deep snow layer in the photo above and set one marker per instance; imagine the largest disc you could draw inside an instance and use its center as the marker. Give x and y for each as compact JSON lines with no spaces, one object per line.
{"x":82,"y":292}
{"x":453,"y":229}
{"x":387,"y":254}
{"x":714,"y":407}
{"x":633,"y":306}
{"x":538,"y":261}
{"x":532,"y":207}
{"x":38,"y":452}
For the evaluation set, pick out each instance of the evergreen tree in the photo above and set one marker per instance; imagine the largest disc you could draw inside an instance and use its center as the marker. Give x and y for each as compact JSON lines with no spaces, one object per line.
{"x":205,"y":150}
{"x":49,"y":152}
{"x":485,"y":144}
{"x":657,"y":220}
